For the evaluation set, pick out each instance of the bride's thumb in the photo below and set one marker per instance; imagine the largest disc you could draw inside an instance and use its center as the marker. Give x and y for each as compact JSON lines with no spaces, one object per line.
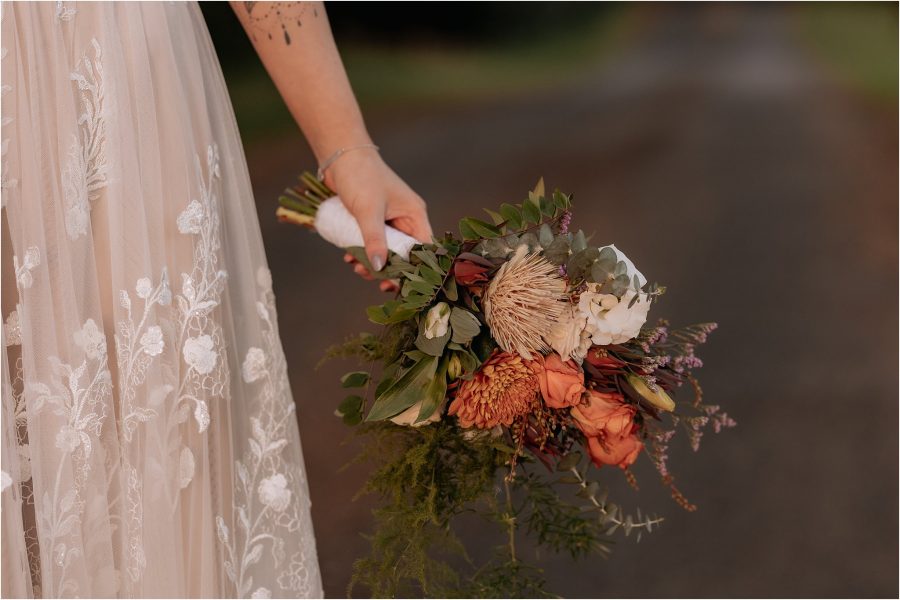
{"x":371,"y":224}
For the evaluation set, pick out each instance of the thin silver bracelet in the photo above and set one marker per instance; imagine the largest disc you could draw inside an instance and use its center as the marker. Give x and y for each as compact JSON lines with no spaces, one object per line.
{"x":339,"y":153}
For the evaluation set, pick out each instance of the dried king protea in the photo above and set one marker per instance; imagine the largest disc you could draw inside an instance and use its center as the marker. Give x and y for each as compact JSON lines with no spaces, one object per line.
{"x":523,"y":302}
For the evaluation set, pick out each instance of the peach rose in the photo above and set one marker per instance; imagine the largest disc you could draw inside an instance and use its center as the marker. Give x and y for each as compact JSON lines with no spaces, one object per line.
{"x":608,"y":423}
{"x":620,"y":452}
{"x":562,"y":382}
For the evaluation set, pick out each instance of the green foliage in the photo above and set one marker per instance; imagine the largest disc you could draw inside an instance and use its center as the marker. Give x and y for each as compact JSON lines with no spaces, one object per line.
{"x":425,"y":476}
{"x":512,"y":219}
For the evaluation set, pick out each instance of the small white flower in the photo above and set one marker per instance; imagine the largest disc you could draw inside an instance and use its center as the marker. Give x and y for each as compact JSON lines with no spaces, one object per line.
{"x":254,"y":365}
{"x":152,"y":341}
{"x":437,"y":320}
{"x":273,"y":492}
{"x":198,"y":353}
{"x":262,"y":593}
{"x":191,"y":218}
{"x":616,"y":324}
{"x":91,"y":339}
{"x":143,"y":288}
{"x":67,"y":439}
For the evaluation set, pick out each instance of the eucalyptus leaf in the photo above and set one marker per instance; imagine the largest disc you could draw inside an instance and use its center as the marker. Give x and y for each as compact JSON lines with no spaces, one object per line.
{"x":545,"y":235}
{"x":569,"y":461}
{"x":608,"y":259}
{"x":532,"y":241}
{"x":558,"y":250}
{"x":579,"y":243}
{"x":599,"y":274}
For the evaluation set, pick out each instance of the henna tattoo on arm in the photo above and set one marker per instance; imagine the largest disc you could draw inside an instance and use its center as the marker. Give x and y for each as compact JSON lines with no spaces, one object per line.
{"x":266,"y":18}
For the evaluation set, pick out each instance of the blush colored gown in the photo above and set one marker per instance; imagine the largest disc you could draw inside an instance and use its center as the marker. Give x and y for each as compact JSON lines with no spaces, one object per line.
{"x":150,"y":443}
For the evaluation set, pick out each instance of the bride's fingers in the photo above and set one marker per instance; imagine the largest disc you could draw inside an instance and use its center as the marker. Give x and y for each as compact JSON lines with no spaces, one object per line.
{"x":389,"y":285}
{"x":362,"y":271}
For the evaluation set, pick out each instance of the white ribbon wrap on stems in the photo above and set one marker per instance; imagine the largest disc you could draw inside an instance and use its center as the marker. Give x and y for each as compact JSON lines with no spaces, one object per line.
{"x":336,"y":225}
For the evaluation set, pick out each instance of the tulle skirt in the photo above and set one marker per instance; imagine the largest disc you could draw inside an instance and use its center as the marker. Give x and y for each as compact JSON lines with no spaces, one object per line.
{"x":150,"y":441}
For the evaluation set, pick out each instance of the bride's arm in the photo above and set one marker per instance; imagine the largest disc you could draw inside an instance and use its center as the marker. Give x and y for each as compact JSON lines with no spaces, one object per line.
{"x":294,"y":42}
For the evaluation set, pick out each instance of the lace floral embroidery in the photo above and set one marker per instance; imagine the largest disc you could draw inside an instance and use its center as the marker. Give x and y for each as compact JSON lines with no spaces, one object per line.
{"x":269,"y":500}
{"x":79,"y":396}
{"x":199,"y":337}
{"x":31,"y":260}
{"x":85,"y":172}
{"x":64,"y":13}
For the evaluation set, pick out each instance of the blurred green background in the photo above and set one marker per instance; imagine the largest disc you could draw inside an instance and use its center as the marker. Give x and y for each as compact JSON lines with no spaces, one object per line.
{"x":745,"y":155}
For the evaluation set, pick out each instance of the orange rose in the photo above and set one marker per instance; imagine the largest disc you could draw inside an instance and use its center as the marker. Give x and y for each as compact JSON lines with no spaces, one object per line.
{"x":562,"y":382}
{"x":620,"y":452}
{"x":608,"y":423}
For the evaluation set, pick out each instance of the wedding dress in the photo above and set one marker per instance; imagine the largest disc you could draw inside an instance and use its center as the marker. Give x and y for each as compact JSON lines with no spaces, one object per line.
{"x":150,"y":443}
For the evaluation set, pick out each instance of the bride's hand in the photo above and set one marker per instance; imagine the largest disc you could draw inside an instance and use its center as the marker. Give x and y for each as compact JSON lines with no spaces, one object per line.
{"x":375,"y":195}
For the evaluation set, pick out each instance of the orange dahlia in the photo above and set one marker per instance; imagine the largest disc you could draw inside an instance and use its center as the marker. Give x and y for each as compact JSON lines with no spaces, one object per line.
{"x":505,"y":387}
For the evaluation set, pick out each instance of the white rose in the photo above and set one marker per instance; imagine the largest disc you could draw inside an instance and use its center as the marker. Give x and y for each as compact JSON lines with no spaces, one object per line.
{"x":254,"y":365}
{"x":152,"y":341}
{"x":609,"y":319}
{"x":143,"y":288}
{"x":437,"y":320}
{"x":262,"y":593}
{"x":90,"y":339}
{"x":5,"y":480}
{"x":569,"y":337}
{"x":273,"y":492}
{"x":199,"y":354}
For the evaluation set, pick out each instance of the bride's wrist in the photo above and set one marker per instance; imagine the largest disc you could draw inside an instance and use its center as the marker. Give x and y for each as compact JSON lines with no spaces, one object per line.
{"x":338,"y":154}
{"x":345,"y":163}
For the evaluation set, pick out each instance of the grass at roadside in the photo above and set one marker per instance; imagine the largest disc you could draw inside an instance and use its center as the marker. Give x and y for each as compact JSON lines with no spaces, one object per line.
{"x":858,"y":40}
{"x":397,"y":77}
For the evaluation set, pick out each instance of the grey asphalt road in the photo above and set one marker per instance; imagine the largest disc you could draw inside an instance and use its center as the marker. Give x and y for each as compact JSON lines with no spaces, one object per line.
{"x":731,"y":167}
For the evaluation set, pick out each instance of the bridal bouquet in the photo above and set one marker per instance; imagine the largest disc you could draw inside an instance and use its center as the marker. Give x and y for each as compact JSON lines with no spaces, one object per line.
{"x":514,"y":366}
